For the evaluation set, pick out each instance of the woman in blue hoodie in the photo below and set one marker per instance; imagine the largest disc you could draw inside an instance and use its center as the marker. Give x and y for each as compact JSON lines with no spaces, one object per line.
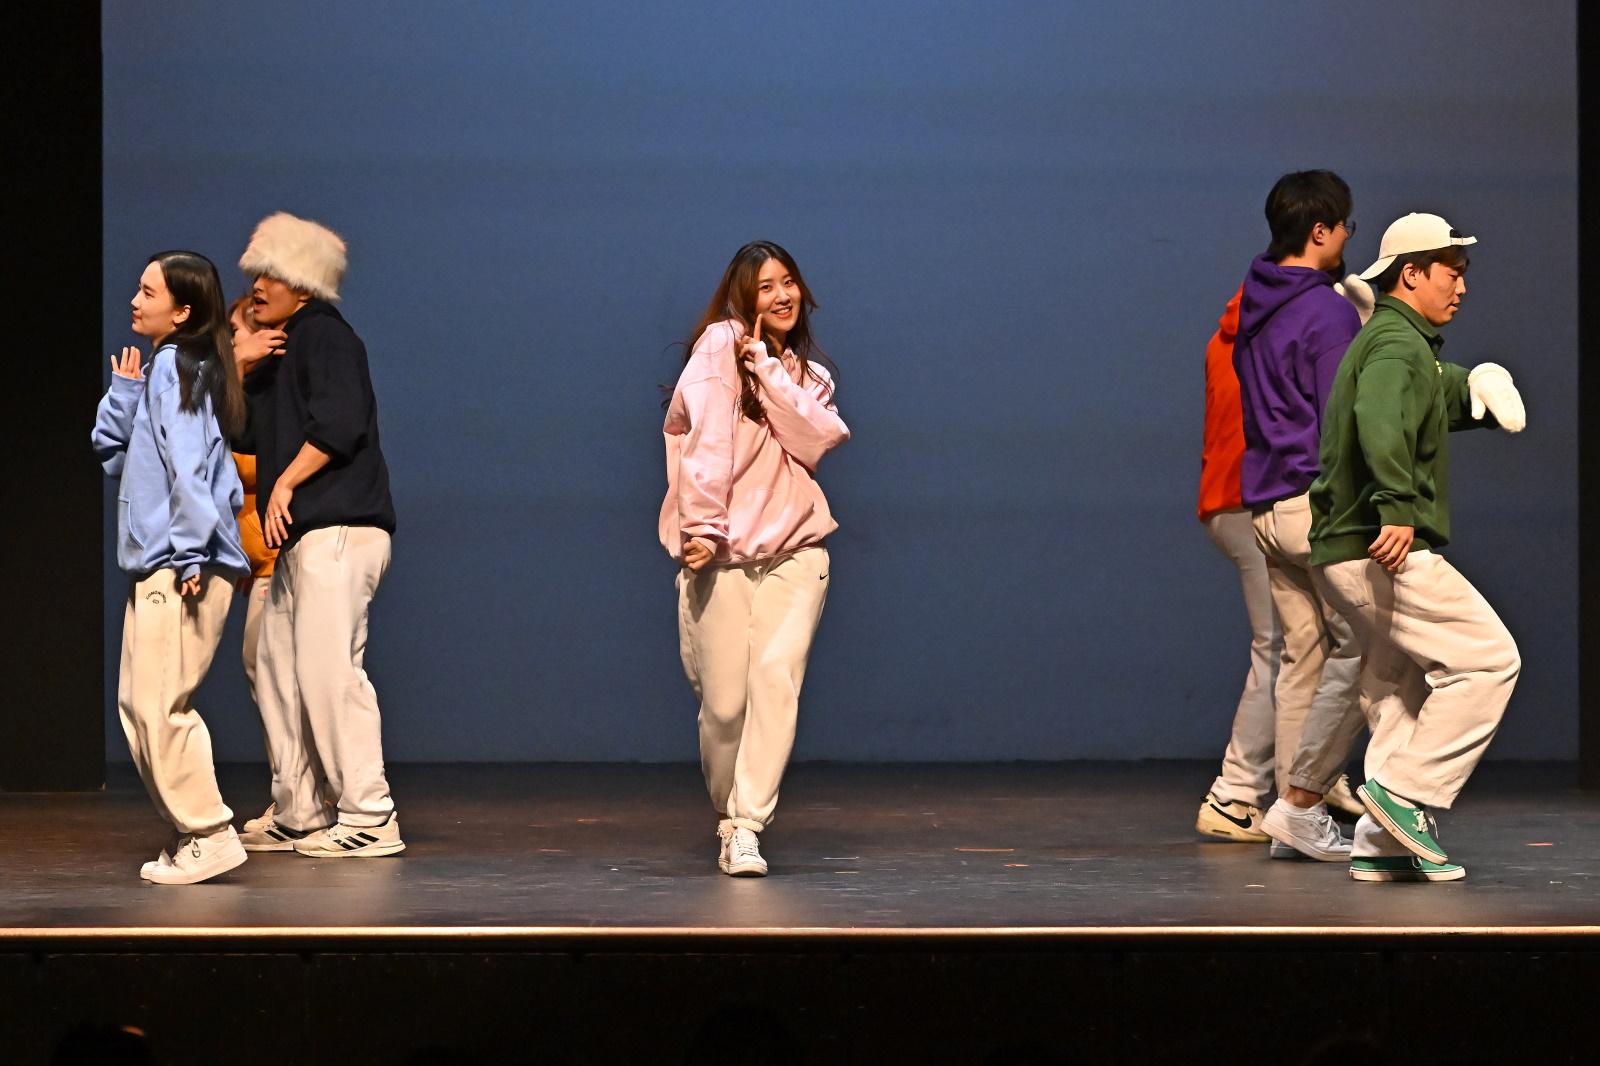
{"x":160,"y":430}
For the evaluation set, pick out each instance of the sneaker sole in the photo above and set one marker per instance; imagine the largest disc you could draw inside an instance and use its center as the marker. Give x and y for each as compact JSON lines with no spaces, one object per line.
{"x":232,"y":862}
{"x":375,"y":851}
{"x":1413,"y":876}
{"x":1310,"y":851}
{"x":741,"y":870}
{"x":276,"y":845}
{"x":1381,"y":816}
{"x":1224,"y":830}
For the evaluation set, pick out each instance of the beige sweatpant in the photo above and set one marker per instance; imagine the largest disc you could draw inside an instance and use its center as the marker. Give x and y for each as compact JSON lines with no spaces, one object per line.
{"x":744,"y":632}
{"x":1319,"y":669}
{"x":254,"y":607}
{"x":318,"y":707}
{"x":1438,"y":673}
{"x":1248,"y":763}
{"x":168,"y":641}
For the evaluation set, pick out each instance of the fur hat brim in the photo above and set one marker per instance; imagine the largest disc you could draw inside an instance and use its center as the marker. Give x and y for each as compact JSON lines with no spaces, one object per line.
{"x":302,"y":254}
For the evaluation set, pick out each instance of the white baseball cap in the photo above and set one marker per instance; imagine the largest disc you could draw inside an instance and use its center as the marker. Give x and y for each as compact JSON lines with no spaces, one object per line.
{"x":1413,"y":233}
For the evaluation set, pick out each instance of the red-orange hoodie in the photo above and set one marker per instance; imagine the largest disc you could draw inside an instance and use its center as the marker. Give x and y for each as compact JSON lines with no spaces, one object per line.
{"x":1223,"y":450}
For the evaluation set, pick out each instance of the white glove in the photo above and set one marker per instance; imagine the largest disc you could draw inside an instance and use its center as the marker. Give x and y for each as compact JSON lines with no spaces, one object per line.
{"x":1360,"y":295}
{"x":1490,"y":387}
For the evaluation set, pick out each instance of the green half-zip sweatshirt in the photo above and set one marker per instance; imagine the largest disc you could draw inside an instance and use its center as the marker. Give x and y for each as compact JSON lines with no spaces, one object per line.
{"x":1385,"y":460}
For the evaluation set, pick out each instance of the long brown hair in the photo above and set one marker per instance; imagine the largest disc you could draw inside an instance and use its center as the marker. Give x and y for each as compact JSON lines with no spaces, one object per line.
{"x":204,"y":340}
{"x":735,"y":298}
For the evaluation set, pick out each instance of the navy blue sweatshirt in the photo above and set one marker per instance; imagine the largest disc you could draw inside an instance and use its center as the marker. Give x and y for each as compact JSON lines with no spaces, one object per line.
{"x":320,"y":391}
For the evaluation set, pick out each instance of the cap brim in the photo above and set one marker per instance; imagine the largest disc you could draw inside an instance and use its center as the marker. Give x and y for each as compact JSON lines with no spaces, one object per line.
{"x":1372,"y":272}
{"x":1383,"y":264}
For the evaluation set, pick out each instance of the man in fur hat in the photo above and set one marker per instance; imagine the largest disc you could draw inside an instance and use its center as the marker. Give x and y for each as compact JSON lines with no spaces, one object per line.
{"x":323,"y":497}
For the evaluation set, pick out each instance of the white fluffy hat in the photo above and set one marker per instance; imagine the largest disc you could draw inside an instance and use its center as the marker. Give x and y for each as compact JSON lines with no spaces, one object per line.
{"x":300,"y":253}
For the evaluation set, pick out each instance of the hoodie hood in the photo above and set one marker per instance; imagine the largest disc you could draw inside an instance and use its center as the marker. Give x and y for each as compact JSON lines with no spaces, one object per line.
{"x":1268,"y":287}
{"x":1228,"y":324}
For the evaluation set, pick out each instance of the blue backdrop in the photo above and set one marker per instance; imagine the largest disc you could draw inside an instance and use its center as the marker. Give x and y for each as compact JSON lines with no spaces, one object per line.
{"x":1021,"y":220}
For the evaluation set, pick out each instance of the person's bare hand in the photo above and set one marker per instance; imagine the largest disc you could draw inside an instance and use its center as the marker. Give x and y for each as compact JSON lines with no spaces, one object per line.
{"x":190,"y":588}
{"x":696,"y":554}
{"x":751,"y":348}
{"x":275,"y":530}
{"x":1392,"y":547}
{"x":128,"y":365}
{"x":252,"y":348}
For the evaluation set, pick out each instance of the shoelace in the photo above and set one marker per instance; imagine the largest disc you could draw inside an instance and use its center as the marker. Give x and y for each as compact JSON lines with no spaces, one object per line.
{"x":745,"y":845}
{"x":1331,"y":834}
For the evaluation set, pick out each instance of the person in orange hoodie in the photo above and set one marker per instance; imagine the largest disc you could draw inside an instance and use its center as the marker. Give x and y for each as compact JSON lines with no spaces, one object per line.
{"x":1232,"y":808}
{"x":257,"y":344}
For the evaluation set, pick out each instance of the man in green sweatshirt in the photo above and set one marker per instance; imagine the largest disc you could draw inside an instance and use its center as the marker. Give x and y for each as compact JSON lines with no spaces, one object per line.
{"x":1438,"y":665}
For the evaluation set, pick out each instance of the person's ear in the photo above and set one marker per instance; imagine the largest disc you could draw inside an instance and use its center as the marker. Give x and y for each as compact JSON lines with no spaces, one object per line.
{"x":181,"y":315}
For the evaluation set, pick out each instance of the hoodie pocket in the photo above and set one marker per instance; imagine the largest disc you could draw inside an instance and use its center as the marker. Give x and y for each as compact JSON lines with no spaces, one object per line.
{"x":125,"y":523}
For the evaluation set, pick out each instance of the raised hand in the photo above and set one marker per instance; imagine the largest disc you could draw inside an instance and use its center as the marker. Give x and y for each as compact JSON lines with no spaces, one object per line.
{"x":129,"y":365}
{"x":252,"y":348}
{"x":1360,"y":295}
{"x":752,"y":349}
{"x":1490,"y":388}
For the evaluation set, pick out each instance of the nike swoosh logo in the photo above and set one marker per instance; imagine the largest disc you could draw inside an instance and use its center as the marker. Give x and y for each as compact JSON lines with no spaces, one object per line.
{"x":822,"y":577}
{"x":1242,"y":823}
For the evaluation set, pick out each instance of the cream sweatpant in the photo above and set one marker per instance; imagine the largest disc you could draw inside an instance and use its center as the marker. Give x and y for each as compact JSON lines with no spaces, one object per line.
{"x":318,"y":707}
{"x":168,"y":641}
{"x":1247,"y":765}
{"x":744,"y":632}
{"x":1319,"y":674}
{"x":255,"y":605}
{"x":1439,"y":670}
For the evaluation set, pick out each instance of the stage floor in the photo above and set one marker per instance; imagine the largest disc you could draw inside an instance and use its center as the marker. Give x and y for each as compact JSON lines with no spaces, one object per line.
{"x":1075,"y":850}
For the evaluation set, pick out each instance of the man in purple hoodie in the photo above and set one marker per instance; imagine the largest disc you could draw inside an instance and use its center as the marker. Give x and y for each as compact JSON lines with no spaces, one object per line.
{"x":1294,"y":327}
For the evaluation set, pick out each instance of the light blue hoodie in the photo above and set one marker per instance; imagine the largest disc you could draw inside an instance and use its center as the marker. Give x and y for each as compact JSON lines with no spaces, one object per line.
{"x":180,"y":494}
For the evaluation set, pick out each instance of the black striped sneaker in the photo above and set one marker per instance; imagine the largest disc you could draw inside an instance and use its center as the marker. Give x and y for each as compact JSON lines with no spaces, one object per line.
{"x":271,"y":837}
{"x":354,"y":841}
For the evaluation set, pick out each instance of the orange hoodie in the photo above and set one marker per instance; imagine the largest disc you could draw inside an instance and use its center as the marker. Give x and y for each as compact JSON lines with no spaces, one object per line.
{"x":1223,"y":450}
{"x":261,"y":557}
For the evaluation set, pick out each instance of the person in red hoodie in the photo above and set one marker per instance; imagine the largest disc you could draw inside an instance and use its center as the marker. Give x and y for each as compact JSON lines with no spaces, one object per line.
{"x":1232,"y":808}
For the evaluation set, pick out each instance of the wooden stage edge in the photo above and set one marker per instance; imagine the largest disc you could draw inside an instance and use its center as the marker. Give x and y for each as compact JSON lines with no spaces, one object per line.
{"x":603,"y":938}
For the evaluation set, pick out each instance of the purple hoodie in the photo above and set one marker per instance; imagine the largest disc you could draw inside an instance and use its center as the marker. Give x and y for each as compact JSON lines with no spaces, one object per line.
{"x":1293,"y":332}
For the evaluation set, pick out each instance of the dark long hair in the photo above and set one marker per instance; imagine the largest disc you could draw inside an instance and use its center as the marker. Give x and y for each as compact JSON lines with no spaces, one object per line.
{"x":736,"y":298}
{"x":204,"y":339}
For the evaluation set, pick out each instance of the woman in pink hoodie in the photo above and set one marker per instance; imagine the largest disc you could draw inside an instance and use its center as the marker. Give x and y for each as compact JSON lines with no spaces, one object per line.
{"x":751,"y":416}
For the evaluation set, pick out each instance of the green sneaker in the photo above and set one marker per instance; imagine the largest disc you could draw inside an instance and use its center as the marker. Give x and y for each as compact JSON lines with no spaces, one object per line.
{"x":1404,"y":868}
{"x":1411,"y":826}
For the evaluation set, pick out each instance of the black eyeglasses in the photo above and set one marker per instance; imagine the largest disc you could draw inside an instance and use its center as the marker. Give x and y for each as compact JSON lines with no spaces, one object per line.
{"x":1349,"y":225}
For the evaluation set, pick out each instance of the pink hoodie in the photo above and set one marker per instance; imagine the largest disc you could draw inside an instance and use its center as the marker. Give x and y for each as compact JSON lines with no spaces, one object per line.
{"x":746,"y":487}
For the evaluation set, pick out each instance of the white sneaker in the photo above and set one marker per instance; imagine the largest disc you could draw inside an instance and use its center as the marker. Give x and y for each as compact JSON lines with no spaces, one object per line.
{"x":1235,"y":820}
{"x":1276,"y":850}
{"x":197,"y":858}
{"x":340,"y":841}
{"x":741,"y":851}
{"x":271,"y":836}
{"x":165,"y":857}
{"x":1313,"y":833}
{"x":1340,"y":798}
{"x":257,"y":824}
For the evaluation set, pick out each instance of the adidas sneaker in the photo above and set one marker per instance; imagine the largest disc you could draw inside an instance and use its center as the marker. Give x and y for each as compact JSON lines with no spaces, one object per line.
{"x":340,"y":841}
